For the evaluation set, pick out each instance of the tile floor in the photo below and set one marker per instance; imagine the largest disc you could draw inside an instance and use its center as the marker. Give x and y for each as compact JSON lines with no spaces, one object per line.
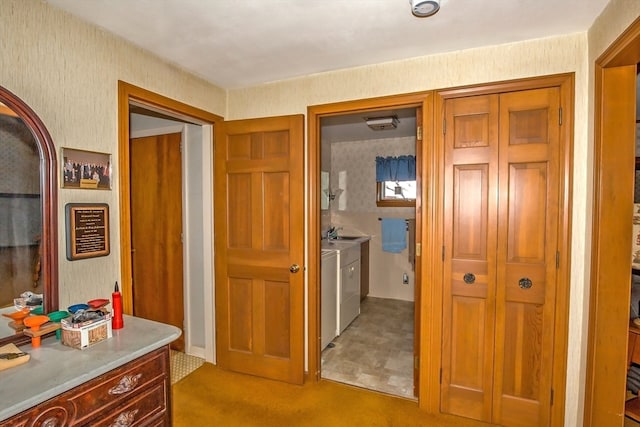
{"x":376,"y":350}
{"x":182,"y":365}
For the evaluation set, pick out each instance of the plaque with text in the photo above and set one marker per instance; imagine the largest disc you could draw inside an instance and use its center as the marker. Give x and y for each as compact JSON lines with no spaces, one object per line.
{"x":87,"y":230}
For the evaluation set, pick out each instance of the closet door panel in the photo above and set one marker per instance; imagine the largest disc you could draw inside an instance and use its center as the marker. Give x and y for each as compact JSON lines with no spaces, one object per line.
{"x":527,"y":245}
{"x":469,"y":282}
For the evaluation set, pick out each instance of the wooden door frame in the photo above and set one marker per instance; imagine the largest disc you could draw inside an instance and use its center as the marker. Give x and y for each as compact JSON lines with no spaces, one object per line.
{"x":126,"y":94}
{"x":423,"y":205}
{"x":614,"y":148}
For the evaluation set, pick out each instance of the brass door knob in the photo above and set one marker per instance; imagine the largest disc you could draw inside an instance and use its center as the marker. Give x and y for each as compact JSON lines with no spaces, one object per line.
{"x":294,"y":268}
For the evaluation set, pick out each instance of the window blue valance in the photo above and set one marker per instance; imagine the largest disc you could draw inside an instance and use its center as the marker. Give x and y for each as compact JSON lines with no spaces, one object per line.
{"x":401,"y":168}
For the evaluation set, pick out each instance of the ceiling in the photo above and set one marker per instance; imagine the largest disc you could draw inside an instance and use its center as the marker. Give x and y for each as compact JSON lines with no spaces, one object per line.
{"x":239,"y":43}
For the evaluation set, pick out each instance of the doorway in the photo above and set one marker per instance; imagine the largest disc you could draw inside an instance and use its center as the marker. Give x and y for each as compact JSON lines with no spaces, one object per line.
{"x":197,"y":205}
{"x":614,"y":135}
{"x":368,"y":327}
{"x":315,"y":116}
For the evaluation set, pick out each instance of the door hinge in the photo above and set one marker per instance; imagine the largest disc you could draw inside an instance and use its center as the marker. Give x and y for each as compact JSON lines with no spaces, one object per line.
{"x":440,"y":375}
{"x":416,"y":362}
{"x":557,"y":260}
{"x":551,"y":397}
{"x":419,"y":133}
{"x":418,"y":249}
{"x":560,"y":116}
{"x":181,"y":238}
{"x":443,"y":253}
{"x":444,"y":126}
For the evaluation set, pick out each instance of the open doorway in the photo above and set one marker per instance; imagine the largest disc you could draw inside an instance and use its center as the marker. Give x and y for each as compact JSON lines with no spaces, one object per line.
{"x":321,"y":219}
{"x":614,"y":135}
{"x":143,"y":114}
{"x":367,"y":337}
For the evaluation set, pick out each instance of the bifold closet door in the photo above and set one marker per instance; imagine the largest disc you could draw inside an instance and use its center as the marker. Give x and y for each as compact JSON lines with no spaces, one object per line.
{"x":500,"y":232}
{"x":526,"y":259}
{"x":470,"y":230}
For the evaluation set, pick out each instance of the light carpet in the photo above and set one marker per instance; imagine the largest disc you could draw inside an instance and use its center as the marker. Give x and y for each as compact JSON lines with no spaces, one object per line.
{"x":211,"y":396}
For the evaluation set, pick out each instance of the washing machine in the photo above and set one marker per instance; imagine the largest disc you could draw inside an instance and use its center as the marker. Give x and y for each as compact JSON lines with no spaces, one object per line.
{"x":329,"y":296}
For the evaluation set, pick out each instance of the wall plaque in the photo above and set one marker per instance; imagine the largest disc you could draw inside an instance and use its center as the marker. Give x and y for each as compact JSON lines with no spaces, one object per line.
{"x":87,"y":230}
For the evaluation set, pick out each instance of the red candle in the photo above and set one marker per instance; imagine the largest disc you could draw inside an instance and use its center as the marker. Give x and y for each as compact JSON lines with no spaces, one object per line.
{"x":117,"y":322}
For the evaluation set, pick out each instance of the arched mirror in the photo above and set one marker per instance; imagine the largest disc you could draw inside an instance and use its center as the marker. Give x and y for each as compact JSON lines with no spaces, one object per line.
{"x":28,"y":213}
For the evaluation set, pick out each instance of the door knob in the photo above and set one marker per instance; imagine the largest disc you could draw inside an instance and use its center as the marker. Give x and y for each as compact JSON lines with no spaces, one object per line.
{"x":525,"y":283}
{"x":469,"y":278}
{"x":294,"y":268}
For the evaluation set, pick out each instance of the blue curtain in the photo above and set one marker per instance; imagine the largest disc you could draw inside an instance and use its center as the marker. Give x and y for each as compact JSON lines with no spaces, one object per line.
{"x":401,"y":168}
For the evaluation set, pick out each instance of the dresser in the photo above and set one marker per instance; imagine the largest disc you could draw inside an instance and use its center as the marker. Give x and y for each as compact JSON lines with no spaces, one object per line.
{"x":123,"y":381}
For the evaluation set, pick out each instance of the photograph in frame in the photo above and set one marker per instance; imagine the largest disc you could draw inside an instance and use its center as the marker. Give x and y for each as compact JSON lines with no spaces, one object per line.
{"x":85,"y":169}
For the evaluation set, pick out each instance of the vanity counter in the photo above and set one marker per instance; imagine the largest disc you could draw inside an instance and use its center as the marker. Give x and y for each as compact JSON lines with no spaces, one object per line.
{"x":55,"y":368}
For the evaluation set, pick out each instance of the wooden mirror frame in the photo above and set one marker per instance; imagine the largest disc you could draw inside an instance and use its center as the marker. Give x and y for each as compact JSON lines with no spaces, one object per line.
{"x":49,"y":204}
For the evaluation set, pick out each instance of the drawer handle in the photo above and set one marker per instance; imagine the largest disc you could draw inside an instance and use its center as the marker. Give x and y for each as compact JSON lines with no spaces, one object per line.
{"x":126,"y":384}
{"x":51,"y":422}
{"x":125,"y":419}
{"x":469,"y":278}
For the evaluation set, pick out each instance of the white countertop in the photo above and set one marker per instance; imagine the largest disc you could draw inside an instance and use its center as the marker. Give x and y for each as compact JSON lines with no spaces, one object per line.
{"x":339,"y":244}
{"x":55,"y":368}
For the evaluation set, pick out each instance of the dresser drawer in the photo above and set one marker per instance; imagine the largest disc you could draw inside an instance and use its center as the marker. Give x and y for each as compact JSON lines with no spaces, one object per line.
{"x":120,"y":384}
{"x":137,"y":392}
{"x":138,"y":409}
{"x":53,"y":415}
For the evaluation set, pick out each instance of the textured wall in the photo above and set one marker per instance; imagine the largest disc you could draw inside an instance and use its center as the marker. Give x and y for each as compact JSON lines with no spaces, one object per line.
{"x":68,"y":72}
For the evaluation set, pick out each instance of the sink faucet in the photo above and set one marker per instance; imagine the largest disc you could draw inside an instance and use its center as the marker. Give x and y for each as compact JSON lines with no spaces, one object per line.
{"x":332,"y":233}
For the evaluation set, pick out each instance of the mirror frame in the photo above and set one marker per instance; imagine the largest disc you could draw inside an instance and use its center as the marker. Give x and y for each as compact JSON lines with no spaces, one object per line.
{"x":49,"y":205}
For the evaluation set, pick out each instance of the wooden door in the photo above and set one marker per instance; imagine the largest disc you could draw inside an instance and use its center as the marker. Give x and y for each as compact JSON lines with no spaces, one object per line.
{"x":156,"y":230}
{"x":259,"y":247}
{"x":500,"y":227}
{"x":526,"y":256}
{"x":470,"y":224}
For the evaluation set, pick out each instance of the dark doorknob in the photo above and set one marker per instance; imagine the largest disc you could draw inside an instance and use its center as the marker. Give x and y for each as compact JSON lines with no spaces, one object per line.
{"x":525,"y":283}
{"x":469,"y":278}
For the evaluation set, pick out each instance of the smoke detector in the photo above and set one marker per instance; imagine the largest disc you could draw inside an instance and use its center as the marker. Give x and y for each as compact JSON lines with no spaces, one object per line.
{"x":424,"y":8}
{"x":383,"y":123}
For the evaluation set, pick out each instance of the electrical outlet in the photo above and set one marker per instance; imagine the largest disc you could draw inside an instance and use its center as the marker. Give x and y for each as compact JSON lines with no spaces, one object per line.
{"x":405,"y":279}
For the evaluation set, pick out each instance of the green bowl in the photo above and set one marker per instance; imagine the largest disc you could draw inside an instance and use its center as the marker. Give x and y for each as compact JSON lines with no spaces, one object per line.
{"x":57,"y":316}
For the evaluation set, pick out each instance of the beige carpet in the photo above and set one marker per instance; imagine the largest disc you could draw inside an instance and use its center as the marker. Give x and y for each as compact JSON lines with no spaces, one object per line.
{"x":182,"y":365}
{"x":211,"y":396}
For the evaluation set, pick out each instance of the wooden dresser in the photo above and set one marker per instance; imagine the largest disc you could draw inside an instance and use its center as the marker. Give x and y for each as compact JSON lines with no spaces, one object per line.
{"x":136,"y":392}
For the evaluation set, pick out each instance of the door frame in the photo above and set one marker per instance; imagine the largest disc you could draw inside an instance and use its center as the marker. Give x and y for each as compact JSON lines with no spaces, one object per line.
{"x":127,"y":94}
{"x":314,"y":114}
{"x":614,"y":166}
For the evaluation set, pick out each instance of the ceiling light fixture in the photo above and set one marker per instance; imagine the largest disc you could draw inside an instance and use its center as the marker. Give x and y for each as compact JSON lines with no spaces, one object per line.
{"x":383,"y":123}
{"x":424,"y":8}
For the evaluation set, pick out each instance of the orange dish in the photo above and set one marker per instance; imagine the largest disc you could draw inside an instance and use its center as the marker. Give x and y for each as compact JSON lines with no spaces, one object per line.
{"x":18,"y":316}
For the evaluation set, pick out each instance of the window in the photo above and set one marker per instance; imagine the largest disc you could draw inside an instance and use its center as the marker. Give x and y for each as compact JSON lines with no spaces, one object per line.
{"x":396,"y":181}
